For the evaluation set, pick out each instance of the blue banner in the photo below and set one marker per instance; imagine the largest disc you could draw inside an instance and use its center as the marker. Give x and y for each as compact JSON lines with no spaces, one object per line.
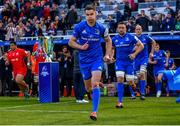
{"x":49,"y":82}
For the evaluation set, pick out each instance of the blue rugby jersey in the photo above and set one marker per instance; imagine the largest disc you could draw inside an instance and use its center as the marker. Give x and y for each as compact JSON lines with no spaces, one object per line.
{"x":124,"y":46}
{"x":145,"y":39}
{"x":93,"y":35}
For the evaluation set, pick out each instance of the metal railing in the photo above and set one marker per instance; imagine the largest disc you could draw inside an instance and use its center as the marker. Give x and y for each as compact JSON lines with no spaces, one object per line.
{"x":112,"y":34}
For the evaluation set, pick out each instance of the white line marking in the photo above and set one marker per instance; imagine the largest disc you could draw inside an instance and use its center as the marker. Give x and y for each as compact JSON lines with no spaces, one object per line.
{"x":19,"y":106}
{"x":46,"y":111}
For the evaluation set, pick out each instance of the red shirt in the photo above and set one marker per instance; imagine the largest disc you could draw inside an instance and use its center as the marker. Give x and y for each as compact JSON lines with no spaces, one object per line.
{"x":16,"y":58}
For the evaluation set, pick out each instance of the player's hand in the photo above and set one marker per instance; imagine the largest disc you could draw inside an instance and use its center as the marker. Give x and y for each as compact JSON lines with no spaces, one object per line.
{"x":7,"y":63}
{"x":151,"y":55}
{"x":85,"y":46}
{"x":107,"y":58}
{"x":132,"y":56}
{"x":155,"y":62}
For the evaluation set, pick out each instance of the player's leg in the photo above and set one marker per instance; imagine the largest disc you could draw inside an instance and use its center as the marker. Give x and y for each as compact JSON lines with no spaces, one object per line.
{"x":120,"y":82}
{"x":22,"y":84}
{"x":155,"y":72}
{"x":120,"y":87}
{"x":159,"y":86}
{"x":96,"y":71}
{"x":130,"y":74}
{"x":96,"y":77}
{"x":142,"y":82}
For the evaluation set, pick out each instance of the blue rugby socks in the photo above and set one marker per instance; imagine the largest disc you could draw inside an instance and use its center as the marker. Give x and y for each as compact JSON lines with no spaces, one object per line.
{"x":95,"y":99}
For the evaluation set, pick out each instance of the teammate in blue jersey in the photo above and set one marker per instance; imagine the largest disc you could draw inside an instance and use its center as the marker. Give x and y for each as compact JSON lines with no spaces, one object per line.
{"x":141,"y":60}
{"x":157,"y":59}
{"x":87,"y":37}
{"x":124,"y":44}
{"x":169,"y":65}
{"x":169,"y":62}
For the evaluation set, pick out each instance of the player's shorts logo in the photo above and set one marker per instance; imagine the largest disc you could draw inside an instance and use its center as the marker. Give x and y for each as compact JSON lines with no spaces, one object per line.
{"x":44,"y":71}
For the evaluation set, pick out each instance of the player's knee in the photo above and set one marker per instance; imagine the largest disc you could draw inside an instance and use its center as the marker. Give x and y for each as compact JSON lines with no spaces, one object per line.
{"x":95,"y":84}
{"x":120,"y":76}
{"x":159,"y":78}
{"x":120,"y":79}
{"x":130,"y":78}
{"x":142,"y":75}
{"x":18,"y":80}
{"x":88,"y":88}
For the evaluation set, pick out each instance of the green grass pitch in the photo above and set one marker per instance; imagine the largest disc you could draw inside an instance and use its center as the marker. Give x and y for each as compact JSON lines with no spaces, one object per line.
{"x":152,"y":111}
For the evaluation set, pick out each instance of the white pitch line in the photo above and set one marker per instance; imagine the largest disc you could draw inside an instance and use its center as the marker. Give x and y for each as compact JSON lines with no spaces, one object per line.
{"x":45,"y":111}
{"x":19,"y":106}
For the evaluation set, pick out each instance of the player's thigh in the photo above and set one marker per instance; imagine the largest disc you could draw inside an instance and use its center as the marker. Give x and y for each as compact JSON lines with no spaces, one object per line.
{"x":19,"y":78}
{"x":137,"y":66}
{"x":130,"y":73}
{"x":86,"y":72}
{"x":96,"y":77}
{"x":120,"y":71}
{"x":87,"y":84}
{"x":143,"y":65}
{"x":160,"y":75}
{"x":96,"y":72}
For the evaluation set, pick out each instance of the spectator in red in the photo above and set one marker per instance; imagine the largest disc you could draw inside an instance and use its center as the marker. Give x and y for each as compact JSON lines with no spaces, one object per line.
{"x":46,"y":11}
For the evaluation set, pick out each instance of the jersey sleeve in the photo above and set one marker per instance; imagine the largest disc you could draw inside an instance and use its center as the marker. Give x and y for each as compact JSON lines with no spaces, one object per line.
{"x":113,"y":41}
{"x":76,"y":32}
{"x":149,"y":39}
{"x":164,"y":53}
{"x":135,"y":39}
{"x":106,"y":33}
{"x":24,"y":53}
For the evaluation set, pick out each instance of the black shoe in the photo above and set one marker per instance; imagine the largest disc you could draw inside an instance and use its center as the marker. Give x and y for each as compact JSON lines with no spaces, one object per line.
{"x":119,"y":105}
{"x":93,"y":116}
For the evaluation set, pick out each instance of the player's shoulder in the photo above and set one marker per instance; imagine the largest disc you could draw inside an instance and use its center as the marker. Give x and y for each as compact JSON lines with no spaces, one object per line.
{"x":81,"y":24}
{"x":100,"y":25}
{"x":20,"y":50}
{"x":129,"y":35}
{"x":115,"y":37}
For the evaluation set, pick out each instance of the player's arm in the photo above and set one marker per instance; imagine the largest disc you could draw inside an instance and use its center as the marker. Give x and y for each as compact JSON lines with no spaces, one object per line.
{"x":108,"y":54}
{"x":153,"y":44}
{"x":73,"y":43}
{"x":73,"y":40}
{"x":150,"y":61}
{"x":173,"y":66}
{"x":139,"y":48}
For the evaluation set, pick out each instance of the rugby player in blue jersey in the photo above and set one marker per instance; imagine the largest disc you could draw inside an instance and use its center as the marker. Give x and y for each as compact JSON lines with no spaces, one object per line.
{"x":169,"y":65}
{"x":124,"y":44}
{"x":141,"y":60}
{"x":157,"y":59}
{"x":87,"y":37}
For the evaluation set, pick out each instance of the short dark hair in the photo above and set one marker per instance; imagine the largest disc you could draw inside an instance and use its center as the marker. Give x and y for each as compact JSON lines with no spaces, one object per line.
{"x":121,"y":23}
{"x":13,"y":42}
{"x":90,"y":7}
